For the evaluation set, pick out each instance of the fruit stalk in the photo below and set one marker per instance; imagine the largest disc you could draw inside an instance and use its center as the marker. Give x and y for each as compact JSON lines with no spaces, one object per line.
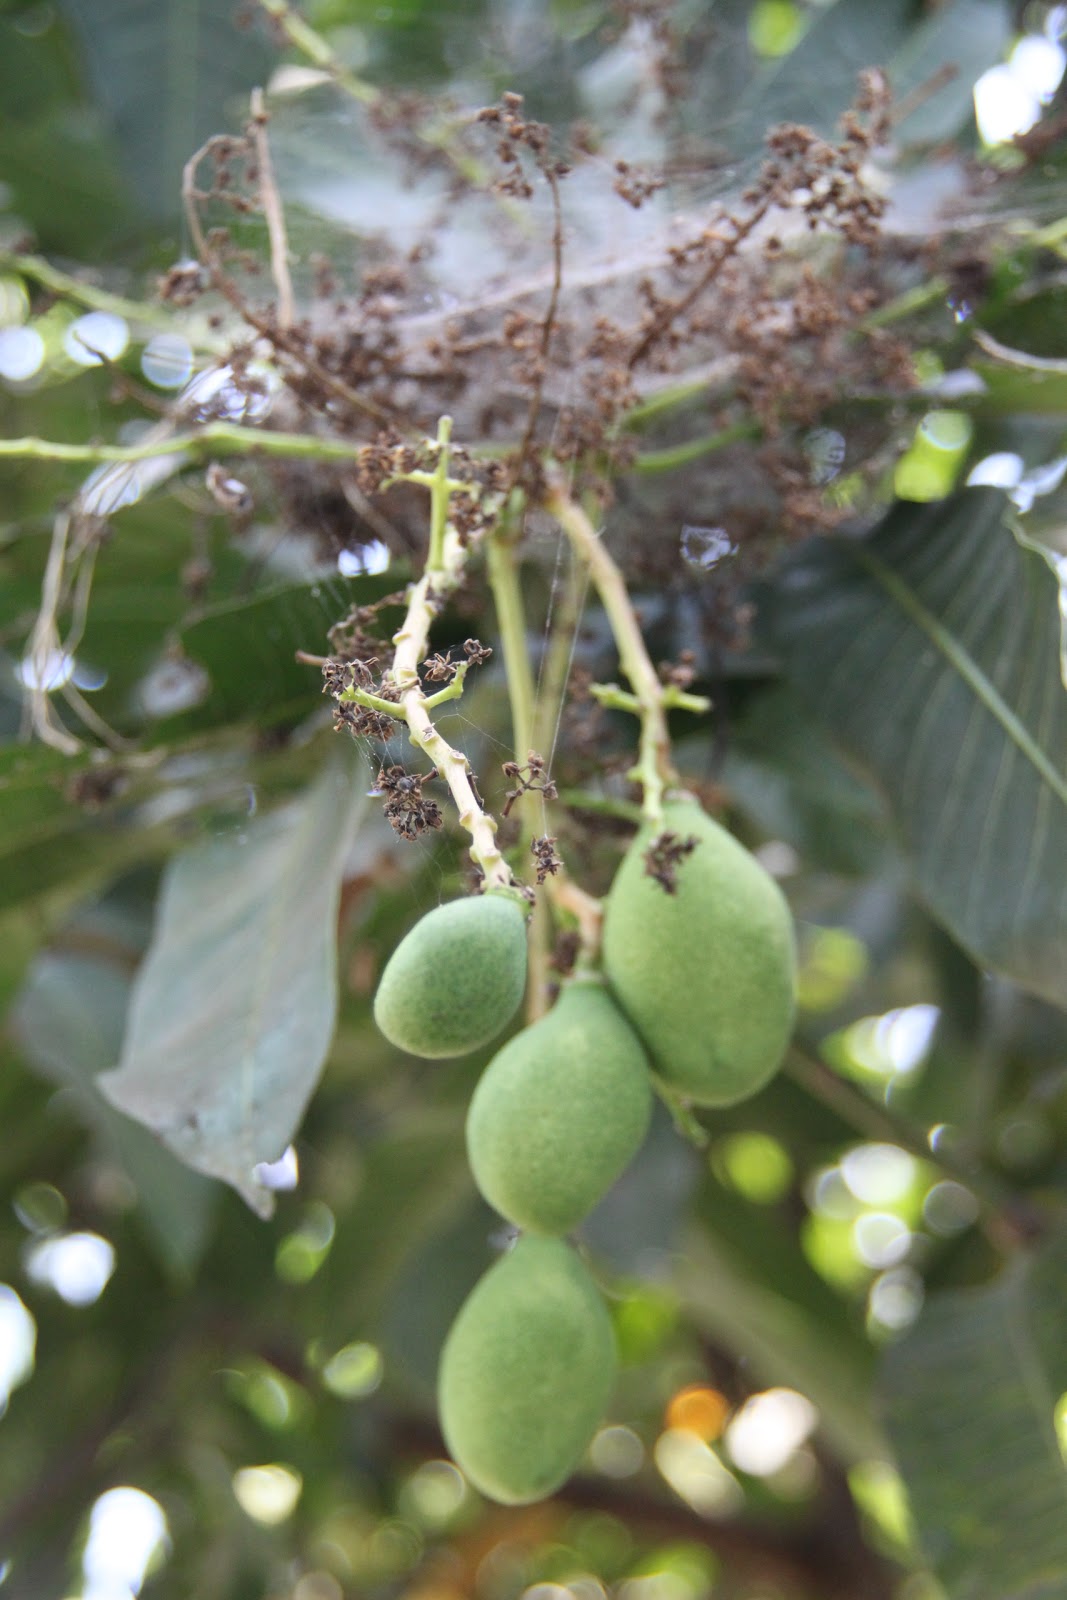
{"x":650,"y":699}
{"x":503,"y":573}
{"x":443,"y":573}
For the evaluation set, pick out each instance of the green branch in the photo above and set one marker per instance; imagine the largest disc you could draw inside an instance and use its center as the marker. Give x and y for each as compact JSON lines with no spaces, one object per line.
{"x":503,"y":568}
{"x":511,"y":622}
{"x":650,"y":699}
{"x":444,"y":569}
{"x":215,"y":438}
{"x":40,"y":271}
{"x":312,"y":45}
{"x":317,"y":50}
{"x":680,"y":455}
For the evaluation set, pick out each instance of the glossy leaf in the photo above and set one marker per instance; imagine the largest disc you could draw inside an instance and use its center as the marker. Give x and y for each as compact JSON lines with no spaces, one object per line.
{"x":233,"y":1010}
{"x":972,"y":1395}
{"x":931,"y":651}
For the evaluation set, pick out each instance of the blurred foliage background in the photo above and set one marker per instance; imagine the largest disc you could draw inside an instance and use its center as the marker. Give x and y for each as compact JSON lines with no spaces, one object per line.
{"x":840,"y":1318}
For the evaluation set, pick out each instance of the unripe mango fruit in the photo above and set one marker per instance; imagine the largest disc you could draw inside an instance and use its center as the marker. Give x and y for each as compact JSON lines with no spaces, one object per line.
{"x":526,"y":1372}
{"x":706,"y":974}
{"x":456,"y":979}
{"x":559,"y":1112}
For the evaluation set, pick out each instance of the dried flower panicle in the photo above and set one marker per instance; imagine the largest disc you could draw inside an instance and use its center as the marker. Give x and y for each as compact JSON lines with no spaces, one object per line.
{"x":409,"y":811}
{"x":664,"y":856}
{"x":531,"y":779}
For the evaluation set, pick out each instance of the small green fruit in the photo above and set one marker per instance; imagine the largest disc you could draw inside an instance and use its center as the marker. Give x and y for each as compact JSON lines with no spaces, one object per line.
{"x":559,"y":1112}
{"x":706,"y":974}
{"x":526,"y":1372}
{"x":456,"y":979}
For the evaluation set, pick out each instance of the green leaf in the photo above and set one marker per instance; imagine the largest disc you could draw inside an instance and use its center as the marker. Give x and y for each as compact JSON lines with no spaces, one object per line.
{"x":1033,"y":323}
{"x":817,"y":81}
{"x":972,"y":1394}
{"x":931,"y":650}
{"x":962,"y":38}
{"x":167,"y":76}
{"x":68,"y":1022}
{"x":247,"y":645}
{"x":782,"y":771}
{"x":63,"y":180}
{"x":233,"y":1010}
{"x":48,"y":844}
{"x":1013,"y":390}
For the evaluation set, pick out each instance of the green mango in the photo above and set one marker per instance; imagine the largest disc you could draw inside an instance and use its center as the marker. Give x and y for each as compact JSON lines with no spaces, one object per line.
{"x":456,"y":979}
{"x":706,"y":973}
{"x":559,"y":1112}
{"x":526,"y":1372}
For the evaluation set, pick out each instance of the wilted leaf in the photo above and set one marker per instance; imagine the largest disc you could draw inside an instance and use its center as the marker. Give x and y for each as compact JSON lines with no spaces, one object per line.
{"x":233,"y":1009}
{"x":931,"y":651}
{"x":973,"y":1393}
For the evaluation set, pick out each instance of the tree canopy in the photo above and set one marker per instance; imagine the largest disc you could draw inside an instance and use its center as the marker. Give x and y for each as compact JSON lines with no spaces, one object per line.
{"x":432,"y":437}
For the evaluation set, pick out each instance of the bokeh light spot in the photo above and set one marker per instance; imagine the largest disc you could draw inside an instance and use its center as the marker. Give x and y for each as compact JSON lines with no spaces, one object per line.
{"x":18,"y":1339}
{"x":698,"y":1409}
{"x":267,"y":1494}
{"x":434,"y":1494}
{"x":756,"y":1165}
{"x":355,"y":1371}
{"x":878,"y":1174}
{"x":77,"y":1266}
{"x":769,"y":1429}
{"x":98,"y":336}
{"x":167,"y":360}
{"x":127,"y":1534}
{"x":881,"y":1238}
{"x":21,"y":354}
{"x":617,"y":1452}
{"x":696,"y":1474}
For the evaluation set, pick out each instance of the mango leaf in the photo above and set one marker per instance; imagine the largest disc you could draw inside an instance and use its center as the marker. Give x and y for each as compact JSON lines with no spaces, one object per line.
{"x":961,"y":39}
{"x":166,"y":76}
{"x":48,"y":844}
{"x":1011,"y":390}
{"x":782,"y":771}
{"x":247,"y":645}
{"x":972,"y":1395}
{"x":233,"y":1009}
{"x":931,"y":650}
{"x":68,"y":1022}
{"x":816,"y":81}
